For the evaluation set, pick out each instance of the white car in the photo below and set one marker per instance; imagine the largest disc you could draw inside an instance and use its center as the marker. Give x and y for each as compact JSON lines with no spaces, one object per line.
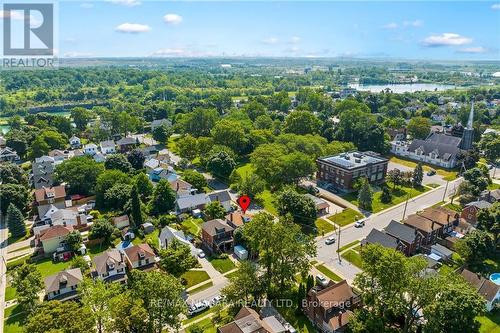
{"x":198,"y":307}
{"x":216,"y":300}
{"x":360,"y":223}
{"x":201,"y":254}
{"x":330,"y":240}
{"x":322,"y":281}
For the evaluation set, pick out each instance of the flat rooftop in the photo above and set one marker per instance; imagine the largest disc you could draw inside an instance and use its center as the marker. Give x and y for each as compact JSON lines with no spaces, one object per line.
{"x":354,"y":159}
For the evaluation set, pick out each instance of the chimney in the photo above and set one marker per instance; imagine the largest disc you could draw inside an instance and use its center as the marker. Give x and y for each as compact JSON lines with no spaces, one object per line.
{"x":340,"y":319}
{"x":79,"y":220}
{"x":231,"y":216}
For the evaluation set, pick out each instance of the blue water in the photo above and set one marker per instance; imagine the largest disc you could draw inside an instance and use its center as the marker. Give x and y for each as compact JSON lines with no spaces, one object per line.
{"x":495,"y":277}
{"x":123,"y":245}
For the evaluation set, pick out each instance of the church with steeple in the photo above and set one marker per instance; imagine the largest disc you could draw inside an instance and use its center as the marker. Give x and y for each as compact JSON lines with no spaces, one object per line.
{"x":438,"y":149}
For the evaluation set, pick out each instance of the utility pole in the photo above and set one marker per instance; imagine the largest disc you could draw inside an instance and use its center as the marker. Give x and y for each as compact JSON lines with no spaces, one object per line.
{"x":406,"y":205}
{"x":445,"y":190}
{"x":338,"y":247}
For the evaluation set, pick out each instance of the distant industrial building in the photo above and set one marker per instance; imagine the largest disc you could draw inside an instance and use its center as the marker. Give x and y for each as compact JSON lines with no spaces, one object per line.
{"x":342,"y":170}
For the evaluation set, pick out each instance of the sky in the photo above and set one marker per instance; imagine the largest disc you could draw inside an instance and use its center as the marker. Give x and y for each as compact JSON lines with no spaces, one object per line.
{"x":397,"y":29}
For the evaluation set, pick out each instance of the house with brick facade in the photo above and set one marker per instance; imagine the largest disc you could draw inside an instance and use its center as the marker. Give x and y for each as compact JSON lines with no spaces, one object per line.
{"x":430,"y":230}
{"x":217,"y":236}
{"x":469,"y":213}
{"x":46,"y":197}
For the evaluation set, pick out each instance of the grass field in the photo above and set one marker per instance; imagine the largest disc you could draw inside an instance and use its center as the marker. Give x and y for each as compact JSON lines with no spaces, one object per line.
{"x":14,"y":320}
{"x":222,"y":265}
{"x":347,"y":216}
{"x":192,"y":225}
{"x":195,"y":277}
{"x":48,"y":267}
{"x":267,"y":199}
{"x":324,"y":226}
{"x":446,"y":174}
{"x":399,"y":195}
{"x":490,"y":322}
{"x":10,"y":293}
{"x":201,"y":288}
{"x":328,"y":273}
{"x":353,"y":257}
{"x":298,"y":320}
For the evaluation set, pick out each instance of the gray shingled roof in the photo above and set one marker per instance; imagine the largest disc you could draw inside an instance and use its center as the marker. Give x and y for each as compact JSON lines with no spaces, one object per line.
{"x":401,"y":231}
{"x":444,"y":151}
{"x":379,"y":237}
{"x":221,"y":196}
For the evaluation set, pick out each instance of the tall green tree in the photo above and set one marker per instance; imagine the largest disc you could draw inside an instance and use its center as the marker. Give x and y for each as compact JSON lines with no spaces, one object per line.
{"x":15,"y":221}
{"x":221,"y":164}
{"x":144,"y":186}
{"x":418,"y":175}
{"x":243,"y":284}
{"x":300,"y":207}
{"x":80,"y":173}
{"x":195,"y":178}
{"x":489,"y":220}
{"x":475,"y":247}
{"x":301,"y":123}
{"x":15,"y":194}
{"x":56,"y":316}
{"x":214,"y":210}
{"x":177,"y":258}
{"x":162,"y":133}
{"x":27,"y":281}
{"x":128,"y":314}
{"x":419,"y":127}
{"x":163,"y":199}
{"x":365,"y":195}
{"x":136,"y":213}
{"x":117,"y":162}
{"x":161,"y":296}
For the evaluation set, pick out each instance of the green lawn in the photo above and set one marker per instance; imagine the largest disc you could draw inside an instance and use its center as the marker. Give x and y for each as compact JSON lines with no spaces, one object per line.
{"x":201,"y":288}
{"x":222,"y":265}
{"x":446,"y":174}
{"x":347,"y":216}
{"x":97,"y":249}
{"x":172,"y":144}
{"x":400,"y":194}
{"x":10,"y":293}
{"x":347,"y":246}
{"x":353,"y":257}
{"x":323,"y":226}
{"x":48,"y":267}
{"x":194,"y":277}
{"x":152,"y":236}
{"x":490,"y":322}
{"x":192,"y":226}
{"x":454,"y":207}
{"x":267,"y":199}
{"x":245,"y":170}
{"x":298,"y":320}
{"x":14,"y":320}
{"x":328,"y":273}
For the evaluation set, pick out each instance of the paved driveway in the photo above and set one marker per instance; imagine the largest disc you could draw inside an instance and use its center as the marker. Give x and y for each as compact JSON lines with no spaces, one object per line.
{"x":436,"y":179}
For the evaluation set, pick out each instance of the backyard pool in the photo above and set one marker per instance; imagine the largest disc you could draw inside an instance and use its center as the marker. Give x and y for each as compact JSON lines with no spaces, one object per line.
{"x":495,"y":277}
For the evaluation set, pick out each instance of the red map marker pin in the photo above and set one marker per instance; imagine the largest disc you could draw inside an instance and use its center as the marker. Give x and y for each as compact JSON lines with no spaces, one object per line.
{"x":244,"y":202}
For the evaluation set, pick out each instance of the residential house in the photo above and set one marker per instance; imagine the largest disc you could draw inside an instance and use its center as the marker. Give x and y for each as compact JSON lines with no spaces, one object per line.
{"x":8,"y":155}
{"x":99,"y":157}
{"x":237,"y":219}
{"x":411,"y":238}
{"x":445,"y":217}
{"x":140,"y":257}
{"x":441,"y":251}
{"x":66,"y":217}
{"x":110,"y":266}
{"x":75,"y":142}
{"x":53,"y":238}
{"x":322,"y":207}
{"x":217,"y":236}
{"x":490,"y":196}
{"x":379,"y":237}
{"x":181,"y":187}
{"x":330,"y":308}
{"x":90,"y":149}
{"x":344,"y":169}
{"x":489,"y":290}
{"x":126,"y":144}
{"x":108,"y":147}
{"x":248,"y":320}
{"x":429,"y":229}
{"x":397,"y":134}
{"x":159,"y":122}
{"x":168,"y":235}
{"x":47,"y":196}
{"x":121,"y":222}
{"x":63,"y":285}
{"x":223,"y":198}
{"x":42,"y":174}
{"x":60,"y":156}
{"x":160,"y":173}
{"x":469,"y":213}
{"x":188,"y":203}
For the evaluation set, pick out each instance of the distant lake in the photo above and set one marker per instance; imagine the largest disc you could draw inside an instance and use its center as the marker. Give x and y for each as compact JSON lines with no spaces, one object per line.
{"x":402,"y":88}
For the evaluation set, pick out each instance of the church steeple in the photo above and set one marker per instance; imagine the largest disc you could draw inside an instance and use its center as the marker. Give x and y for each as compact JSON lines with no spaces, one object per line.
{"x":468,"y":135}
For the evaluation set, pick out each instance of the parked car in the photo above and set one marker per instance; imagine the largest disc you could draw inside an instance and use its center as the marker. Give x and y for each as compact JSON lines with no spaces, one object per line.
{"x":216,"y":300}
{"x":321,"y":280}
{"x":201,"y":254}
{"x":360,"y":223}
{"x":331,"y":188}
{"x":330,"y":240}
{"x":431,"y":172}
{"x":198,"y":307}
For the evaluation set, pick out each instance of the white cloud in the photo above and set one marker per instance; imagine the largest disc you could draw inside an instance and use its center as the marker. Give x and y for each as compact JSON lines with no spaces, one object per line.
{"x":415,"y":23}
{"x":270,"y":40}
{"x":392,"y":25}
{"x":133,"y":28}
{"x":128,"y":3}
{"x":446,"y":39}
{"x":295,"y":40}
{"x":76,"y":54}
{"x":172,"y":19}
{"x":87,"y":5}
{"x":474,"y":50}
{"x":495,"y":6}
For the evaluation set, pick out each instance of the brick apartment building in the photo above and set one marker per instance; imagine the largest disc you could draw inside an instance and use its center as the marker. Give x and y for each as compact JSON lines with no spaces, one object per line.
{"x":342,"y":170}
